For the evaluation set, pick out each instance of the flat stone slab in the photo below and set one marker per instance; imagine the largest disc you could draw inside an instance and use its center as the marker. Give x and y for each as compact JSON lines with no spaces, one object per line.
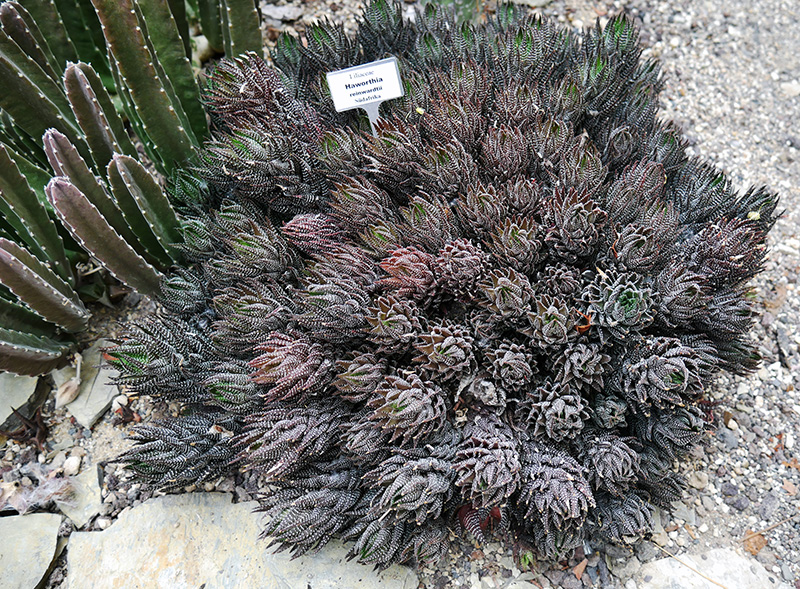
{"x":27,"y":548}
{"x":14,"y":392}
{"x":96,"y":391}
{"x":723,"y":565}
{"x":202,"y":539}
{"x":85,"y":501}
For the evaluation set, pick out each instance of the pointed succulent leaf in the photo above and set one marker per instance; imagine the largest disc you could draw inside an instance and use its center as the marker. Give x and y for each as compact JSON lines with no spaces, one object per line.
{"x":40,"y":288}
{"x":92,"y":231}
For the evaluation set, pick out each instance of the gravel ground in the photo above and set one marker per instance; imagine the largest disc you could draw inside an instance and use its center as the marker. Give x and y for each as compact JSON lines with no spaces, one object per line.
{"x":733,"y":84}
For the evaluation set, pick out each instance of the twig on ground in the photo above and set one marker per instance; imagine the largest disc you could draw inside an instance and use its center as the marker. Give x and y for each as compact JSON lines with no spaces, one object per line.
{"x":768,"y":528}
{"x":691,"y":568}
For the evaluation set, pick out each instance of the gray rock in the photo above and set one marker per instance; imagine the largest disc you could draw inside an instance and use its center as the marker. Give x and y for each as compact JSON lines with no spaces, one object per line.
{"x":646,"y":551}
{"x":187,"y":541}
{"x":739,"y":501}
{"x":85,"y":501}
{"x":698,"y":479}
{"x":624,"y":568}
{"x":14,"y":393}
{"x":72,"y":466}
{"x":28,"y":548}
{"x":768,"y":505}
{"x":286,"y":13}
{"x":684,"y":512}
{"x":729,"y":438}
{"x":570,"y":582}
{"x":96,"y":392}
{"x":724,"y":565}
{"x":787,"y":572}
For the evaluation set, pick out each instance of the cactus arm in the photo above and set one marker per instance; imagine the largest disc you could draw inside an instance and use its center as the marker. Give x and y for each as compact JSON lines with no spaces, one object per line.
{"x":39,"y":288}
{"x":20,"y":26}
{"x":240,"y":27}
{"x":29,"y":95}
{"x":156,"y":252}
{"x":133,"y":116}
{"x":66,"y":161}
{"x":134,"y":62}
{"x":129,"y":180}
{"x":84,"y":29}
{"x":209,"y":14}
{"x":162,"y":32}
{"x":12,"y":135}
{"x":25,"y":353}
{"x":93,"y":232}
{"x":36,"y":176}
{"x":178,"y":10}
{"x":20,"y":318}
{"x":20,"y":203}
{"x":94,"y":111}
{"x":47,"y":18}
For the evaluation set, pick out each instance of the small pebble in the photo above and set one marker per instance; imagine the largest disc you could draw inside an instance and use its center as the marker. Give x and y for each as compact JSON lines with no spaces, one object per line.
{"x":72,"y":466}
{"x":698,"y":479}
{"x":103,"y":522}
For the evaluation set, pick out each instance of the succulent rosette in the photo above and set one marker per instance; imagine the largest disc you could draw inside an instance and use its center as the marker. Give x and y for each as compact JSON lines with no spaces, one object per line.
{"x":501,"y":308}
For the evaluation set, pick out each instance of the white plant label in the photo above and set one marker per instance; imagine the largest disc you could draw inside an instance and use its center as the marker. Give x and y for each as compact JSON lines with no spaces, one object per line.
{"x":366,"y":86}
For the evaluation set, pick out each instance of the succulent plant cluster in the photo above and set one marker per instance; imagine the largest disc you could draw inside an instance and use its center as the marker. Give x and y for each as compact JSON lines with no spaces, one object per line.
{"x":502,"y":309}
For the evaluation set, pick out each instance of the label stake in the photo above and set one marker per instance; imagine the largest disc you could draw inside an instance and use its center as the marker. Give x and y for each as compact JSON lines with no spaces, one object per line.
{"x":366,"y":87}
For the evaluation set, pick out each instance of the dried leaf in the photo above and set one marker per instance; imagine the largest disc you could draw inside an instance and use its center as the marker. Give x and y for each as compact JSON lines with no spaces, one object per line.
{"x":793,"y":463}
{"x":579,"y":568}
{"x":67,"y":392}
{"x":789,"y":487}
{"x":754,"y":543}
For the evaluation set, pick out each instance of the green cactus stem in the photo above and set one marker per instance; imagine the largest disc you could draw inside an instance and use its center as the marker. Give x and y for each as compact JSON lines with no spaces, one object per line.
{"x":89,"y":228}
{"x":39,"y":288}
{"x":240,"y":27}
{"x":28,"y":215}
{"x":95,"y":113}
{"x":25,"y":353}
{"x":172,"y":142}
